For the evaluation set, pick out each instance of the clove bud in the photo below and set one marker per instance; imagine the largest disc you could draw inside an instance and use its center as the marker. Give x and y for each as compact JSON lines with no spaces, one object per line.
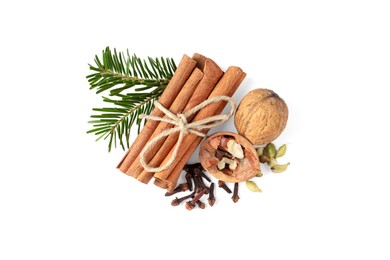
{"x":191,"y":204}
{"x":235,"y":196}
{"x":219,"y":154}
{"x":177,"y":200}
{"x":188,"y":177}
{"x":223,"y":185}
{"x":211,"y":198}
{"x":205,"y":176}
{"x":201,"y":204}
{"x":180,"y":188}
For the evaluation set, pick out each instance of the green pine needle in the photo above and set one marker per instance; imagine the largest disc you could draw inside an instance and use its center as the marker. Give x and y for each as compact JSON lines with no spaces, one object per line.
{"x":118,"y":73}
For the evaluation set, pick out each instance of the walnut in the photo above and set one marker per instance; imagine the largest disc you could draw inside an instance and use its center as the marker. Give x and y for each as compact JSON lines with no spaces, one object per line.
{"x":261,"y":116}
{"x":229,"y":157}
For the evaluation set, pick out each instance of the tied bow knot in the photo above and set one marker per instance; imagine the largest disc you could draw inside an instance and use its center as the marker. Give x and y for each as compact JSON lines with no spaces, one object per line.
{"x":182,"y":122}
{"x":182,"y":126}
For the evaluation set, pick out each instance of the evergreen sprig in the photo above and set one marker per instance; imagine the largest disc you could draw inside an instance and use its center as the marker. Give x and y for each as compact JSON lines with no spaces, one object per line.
{"x":119,"y":73}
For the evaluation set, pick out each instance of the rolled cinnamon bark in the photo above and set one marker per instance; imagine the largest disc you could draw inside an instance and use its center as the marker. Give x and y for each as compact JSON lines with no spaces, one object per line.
{"x":212,"y":74}
{"x":174,"y":175}
{"x":200,"y":60}
{"x":182,"y":73}
{"x":177,"y":106}
{"x":225,"y":87}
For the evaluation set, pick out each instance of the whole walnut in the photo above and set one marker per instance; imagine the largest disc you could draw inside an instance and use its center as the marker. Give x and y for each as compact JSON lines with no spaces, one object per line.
{"x":261,"y":116}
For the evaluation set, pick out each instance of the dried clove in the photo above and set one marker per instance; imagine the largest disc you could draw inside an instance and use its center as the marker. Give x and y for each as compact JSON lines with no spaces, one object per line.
{"x":219,"y":154}
{"x":189,"y":180}
{"x":223,"y":185}
{"x":201,"y":204}
{"x":194,"y":182}
{"x":196,"y":168}
{"x":199,"y":184}
{"x":191,"y":204}
{"x":190,"y":167}
{"x":205,"y":176}
{"x":235,"y":196}
{"x":211,"y":198}
{"x":180,"y":188}
{"x":177,"y":200}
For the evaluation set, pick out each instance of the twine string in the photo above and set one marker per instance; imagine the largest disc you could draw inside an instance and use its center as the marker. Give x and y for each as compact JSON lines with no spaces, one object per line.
{"x":182,"y":126}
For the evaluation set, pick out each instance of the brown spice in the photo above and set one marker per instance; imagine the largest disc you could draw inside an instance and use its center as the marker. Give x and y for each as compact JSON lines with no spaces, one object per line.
{"x":177,"y":201}
{"x":226,"y":86}
{"x":191,"y":204}
{"x":223,"y":185}
{"x":235,"y":196}
{"x":182,"y":187}
{"x":182,"y":73}
{"x":177,"y":106}
{"x":211,"y":198}
{"x":211,"y":75}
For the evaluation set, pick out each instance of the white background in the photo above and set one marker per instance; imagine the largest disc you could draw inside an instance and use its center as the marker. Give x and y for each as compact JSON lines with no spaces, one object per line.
{"x":61,"y":196}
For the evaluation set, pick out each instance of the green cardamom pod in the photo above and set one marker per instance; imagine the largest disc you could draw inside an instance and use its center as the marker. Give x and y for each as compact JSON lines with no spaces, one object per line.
{"x":279,"y":168}
{"x":264,"y":159}
{"x":270,"y":150}
{"x":259,"y":174}
{"x":260,"y":151}
{"x":281,"y":151}
{"x":272,"y":162}
{"x":252,"y":186}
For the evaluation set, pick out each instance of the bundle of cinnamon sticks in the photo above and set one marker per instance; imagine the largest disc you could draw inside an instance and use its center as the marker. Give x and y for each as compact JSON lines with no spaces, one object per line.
{"x":195,"y":80}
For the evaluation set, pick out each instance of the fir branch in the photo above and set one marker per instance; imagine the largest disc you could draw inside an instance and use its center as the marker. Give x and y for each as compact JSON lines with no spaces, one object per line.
{"x":127,"y":71}
{"x":118,"y":73}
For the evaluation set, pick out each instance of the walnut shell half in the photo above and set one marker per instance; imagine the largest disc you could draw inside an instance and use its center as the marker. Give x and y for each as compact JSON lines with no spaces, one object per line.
{"x":229,"y":157}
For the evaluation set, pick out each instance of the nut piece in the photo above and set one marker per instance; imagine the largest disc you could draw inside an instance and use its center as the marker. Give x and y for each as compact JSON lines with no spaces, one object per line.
{"x":233,"y":160}
{"x":261,"y":116}
{"x":235,"y":149}
{"x":229,"y":145}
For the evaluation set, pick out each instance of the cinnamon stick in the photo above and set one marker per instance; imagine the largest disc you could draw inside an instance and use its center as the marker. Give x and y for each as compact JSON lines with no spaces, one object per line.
{"x":174,"y":175}
{"x":177,"y":106}
{"x":226,"y":87}
{"x":183,"y":71}
{"x":200,"y":60}
{"x":212,"y":74}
